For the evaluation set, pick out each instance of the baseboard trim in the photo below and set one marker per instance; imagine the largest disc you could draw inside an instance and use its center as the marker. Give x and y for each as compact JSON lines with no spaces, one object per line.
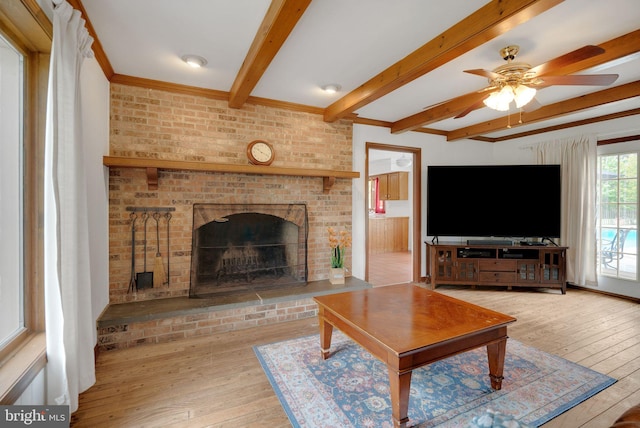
{"x":606,"y":293}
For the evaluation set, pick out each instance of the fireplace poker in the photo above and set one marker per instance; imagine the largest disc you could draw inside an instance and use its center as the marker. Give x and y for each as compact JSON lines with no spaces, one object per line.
{"x":158,"y":269}
{"x":132,"y":284}
{"x":168,"y":217}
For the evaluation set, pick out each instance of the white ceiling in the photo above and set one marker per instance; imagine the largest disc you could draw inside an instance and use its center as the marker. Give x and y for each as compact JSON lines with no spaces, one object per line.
{"x":350,"y":41}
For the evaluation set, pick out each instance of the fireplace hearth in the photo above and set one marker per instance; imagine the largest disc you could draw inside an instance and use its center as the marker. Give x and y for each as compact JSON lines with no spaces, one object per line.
{"x":247,"y":247}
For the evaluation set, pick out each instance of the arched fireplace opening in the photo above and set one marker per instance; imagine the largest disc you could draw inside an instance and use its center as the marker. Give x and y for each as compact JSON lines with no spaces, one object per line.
{"x":247,"y":247}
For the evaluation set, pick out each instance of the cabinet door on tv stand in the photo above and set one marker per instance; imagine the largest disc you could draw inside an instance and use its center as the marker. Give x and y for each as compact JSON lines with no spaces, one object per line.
{"x":528,"y":272}
{"x":552,"y":264}
{"x":444,"y":264}
{"x":466,"y":271}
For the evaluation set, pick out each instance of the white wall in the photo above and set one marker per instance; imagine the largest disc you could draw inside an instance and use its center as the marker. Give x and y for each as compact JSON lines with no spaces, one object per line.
{"x":34,"y":394}
{"x":437,"y":151}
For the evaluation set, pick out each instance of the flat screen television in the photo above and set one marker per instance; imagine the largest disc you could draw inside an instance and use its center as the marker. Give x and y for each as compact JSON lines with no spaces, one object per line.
{"x":494,"y":201}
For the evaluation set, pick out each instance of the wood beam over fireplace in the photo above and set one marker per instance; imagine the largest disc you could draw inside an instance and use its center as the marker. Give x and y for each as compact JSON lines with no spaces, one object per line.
{"x":152,"y":166}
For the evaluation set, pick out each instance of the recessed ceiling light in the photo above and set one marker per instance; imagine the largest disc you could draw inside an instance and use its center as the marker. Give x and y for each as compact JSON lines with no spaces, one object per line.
{"x":194,"y":61}
{"x":331,"y":88}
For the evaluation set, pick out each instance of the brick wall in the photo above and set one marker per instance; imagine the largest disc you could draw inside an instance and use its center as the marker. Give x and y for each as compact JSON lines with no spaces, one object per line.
{"x":150,"y":123}
{"x":130,"y":334}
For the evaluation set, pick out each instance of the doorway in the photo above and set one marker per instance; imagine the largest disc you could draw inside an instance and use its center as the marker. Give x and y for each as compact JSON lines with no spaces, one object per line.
{"x":393,"y":214}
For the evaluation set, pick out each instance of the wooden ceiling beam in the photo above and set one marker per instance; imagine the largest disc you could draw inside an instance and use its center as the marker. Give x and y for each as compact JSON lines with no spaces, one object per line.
{"x":620,"y":48}
{"x":442,"y":111}
{"x":486,"y":23}
{"x":279,"y":21}
{"x":591,"y":120}
{"x":620,"y":139}
{"x":606,"y":96}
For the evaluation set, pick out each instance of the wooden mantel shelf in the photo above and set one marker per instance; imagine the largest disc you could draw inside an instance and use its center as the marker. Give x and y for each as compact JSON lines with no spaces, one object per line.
{"x":153,"y":165}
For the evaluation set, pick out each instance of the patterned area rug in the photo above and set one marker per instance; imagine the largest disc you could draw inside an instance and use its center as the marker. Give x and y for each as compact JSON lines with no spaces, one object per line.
{"x":351,"y":388}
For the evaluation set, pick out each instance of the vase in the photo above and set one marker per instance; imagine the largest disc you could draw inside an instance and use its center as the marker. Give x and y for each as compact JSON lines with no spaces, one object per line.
{"x":336,"y":275}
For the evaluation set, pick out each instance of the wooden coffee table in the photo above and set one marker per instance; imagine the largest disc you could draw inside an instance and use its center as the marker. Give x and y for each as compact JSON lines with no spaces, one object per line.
{"x":406,"y":327}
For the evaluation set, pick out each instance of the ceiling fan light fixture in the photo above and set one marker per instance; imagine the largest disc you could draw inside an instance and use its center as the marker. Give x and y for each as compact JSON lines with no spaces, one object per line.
{"x":194,"y":61}
{"x":523,"y":95}
{"x":500,"y":100}
{"x":492,"y":101}
{"x":403,"y":161}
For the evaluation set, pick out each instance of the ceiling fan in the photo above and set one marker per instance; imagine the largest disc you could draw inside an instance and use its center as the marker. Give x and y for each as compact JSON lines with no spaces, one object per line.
{"x":518,"y":81}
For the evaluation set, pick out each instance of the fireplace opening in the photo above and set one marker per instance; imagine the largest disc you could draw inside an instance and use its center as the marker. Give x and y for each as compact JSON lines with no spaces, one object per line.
{"x":247,"y":247}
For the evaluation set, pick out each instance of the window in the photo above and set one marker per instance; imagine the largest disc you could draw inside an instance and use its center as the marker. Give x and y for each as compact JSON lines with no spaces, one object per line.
{"x":617,"y":215}
{"x":11,"y":190}
{"x":25,"y":43}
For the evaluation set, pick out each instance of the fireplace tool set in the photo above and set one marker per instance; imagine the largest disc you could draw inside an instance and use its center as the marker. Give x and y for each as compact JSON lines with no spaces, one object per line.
{"x":157,"y":277}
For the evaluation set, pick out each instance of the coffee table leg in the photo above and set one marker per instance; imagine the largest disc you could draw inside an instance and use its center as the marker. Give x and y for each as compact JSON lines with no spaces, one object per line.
{"x":400,"y":384}
{"x":326,"y":330}
{"x":496,"y":353}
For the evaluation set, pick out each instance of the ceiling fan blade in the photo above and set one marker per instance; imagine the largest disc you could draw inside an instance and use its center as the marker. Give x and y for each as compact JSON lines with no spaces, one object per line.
{"x":532,"y":105}
{"x":580,"y":79}
{"x":583,"y":53}
{"x":479,"y":103}
{"x":471,"y":108}
{"x":489,"y":89}
{"x":434,"y":105}
{"x":484,"y":73}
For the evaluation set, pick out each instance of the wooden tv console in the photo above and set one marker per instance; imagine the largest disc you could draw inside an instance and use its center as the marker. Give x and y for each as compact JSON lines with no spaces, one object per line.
{"x":502,"y":265}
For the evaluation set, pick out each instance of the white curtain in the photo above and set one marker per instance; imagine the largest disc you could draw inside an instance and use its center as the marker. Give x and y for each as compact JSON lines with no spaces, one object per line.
{"x":577,"y":157}
{"x":70,"y":329}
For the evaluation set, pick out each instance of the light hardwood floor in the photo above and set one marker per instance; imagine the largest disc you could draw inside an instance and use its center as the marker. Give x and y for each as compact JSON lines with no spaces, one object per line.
{"x":217,"y":381}
{"x":390,"y":268}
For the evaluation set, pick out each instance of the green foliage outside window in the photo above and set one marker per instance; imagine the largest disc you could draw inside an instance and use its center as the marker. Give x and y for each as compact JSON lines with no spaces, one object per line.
{"x":618,"y":196}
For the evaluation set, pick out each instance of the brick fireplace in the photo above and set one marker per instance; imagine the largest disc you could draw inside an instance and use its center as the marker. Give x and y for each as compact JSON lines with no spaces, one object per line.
{"x":147,"y":123}
{"x":155,"y":124}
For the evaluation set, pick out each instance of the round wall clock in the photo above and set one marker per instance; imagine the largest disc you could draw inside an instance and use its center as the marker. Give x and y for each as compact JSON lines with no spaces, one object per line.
{"x":260,"y":152}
